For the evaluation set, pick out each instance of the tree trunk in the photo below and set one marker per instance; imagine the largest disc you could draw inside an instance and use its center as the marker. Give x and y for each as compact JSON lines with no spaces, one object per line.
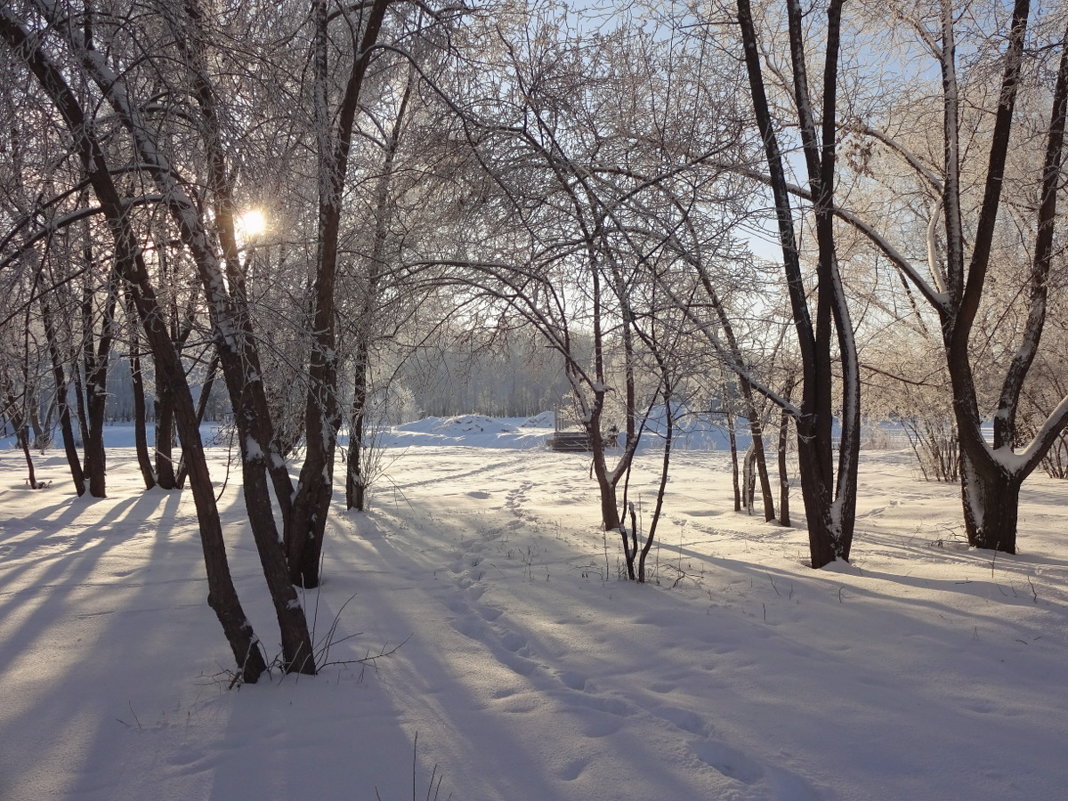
{"x":829,"y":498}
{"x":307,"y":520}
{"x":735,"y":475}
{"x":815,"y":494}
{"x":760,"y":459}
{"x":664,"y":472}
{"x":991,"y":496}
{"x":784,"y":478}
{"x":202,"y":405}
{"x":356,"y":474}
{"x":137,"y":384}
{"x":748,"y":479}
{"x":62,"y":391}
{"x":355,"y":480}
{"x":80,"y":414}
{"x":165,"y":474}
{"x":144,"y":461}
{"x":22,"y":436}
{"x":96,"y":379}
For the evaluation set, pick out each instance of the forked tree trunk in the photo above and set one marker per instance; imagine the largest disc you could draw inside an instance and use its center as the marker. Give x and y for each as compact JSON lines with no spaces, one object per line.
{"x":307,"y":521}
{"x":829,"y":494}
{"x":991,"y":477}
{"x":227,"y":298}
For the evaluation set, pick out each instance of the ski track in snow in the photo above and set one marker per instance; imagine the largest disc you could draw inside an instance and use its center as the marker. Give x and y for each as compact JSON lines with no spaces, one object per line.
{"x":526,"y":669}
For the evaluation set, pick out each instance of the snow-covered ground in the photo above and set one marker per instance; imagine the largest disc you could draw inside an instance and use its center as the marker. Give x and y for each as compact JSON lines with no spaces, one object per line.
{"x":526,"y":669}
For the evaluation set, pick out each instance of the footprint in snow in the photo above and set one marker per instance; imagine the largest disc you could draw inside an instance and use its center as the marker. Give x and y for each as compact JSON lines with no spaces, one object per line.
{"x":728,"y":761}
{"x":684,"y":719}
{"x":513,"y":642}
{"x":573,"y":769}
{"x":573,"y":680}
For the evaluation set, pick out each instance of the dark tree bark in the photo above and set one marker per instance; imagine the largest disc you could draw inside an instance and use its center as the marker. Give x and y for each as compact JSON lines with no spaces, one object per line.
{"x":164,"y":413}
{"x":732,"y":438}
{"x":225,"y":290}
{"x":96,"y":382}
{"x":665,"y":465}
{"x":17,"y":415}
{"x":990,"y":483}
{"x":784,"y":478}
{"x":202,"y":406}
{"x":144,"y":461}
{"x":62,"y":398}
{"x":355,"y":474}
{"x":355,"y":478}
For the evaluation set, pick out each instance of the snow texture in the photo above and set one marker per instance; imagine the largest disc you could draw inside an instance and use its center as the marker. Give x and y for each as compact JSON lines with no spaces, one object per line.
{"x":527,"y":669}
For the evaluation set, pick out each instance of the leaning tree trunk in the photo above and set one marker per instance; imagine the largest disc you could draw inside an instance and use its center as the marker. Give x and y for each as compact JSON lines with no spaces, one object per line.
{"x":22,"y":437}
{"x":231,"y":319}
{"x":761,"y":462}
{"x":202,"y":406}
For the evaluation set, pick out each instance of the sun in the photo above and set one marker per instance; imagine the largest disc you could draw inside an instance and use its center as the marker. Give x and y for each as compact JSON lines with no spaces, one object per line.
{"x":251,"y":223}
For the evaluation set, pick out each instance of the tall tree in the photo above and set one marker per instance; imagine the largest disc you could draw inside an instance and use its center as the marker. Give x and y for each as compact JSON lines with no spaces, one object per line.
{"x":829,"y":494}
{"x":306,"y":524}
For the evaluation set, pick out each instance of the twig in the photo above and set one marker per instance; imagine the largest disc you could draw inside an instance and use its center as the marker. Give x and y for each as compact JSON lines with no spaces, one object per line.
{"x":369,"y":659}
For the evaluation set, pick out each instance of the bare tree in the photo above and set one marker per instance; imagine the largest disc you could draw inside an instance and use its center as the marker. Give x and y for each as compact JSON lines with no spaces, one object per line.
{"x":829,"y":493}
{"x":967,"y":213}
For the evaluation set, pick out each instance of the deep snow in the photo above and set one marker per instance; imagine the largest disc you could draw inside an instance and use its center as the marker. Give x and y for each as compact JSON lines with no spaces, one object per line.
{"x":527,"y":669}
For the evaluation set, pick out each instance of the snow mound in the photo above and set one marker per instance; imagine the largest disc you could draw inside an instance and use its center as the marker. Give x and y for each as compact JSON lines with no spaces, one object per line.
{"x":541,"y":420}
{"x":472,"y":430}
